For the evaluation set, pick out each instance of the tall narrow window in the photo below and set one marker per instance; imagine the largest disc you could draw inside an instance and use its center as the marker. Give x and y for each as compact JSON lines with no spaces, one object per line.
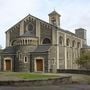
{"x":73,"y":43}
{"x":68,"y":42}
{"x":25,"y":59}
{"x":61,"y":40}
{"x":26,"y":42}
{"x":78,"y":44}
{"x":23,"y":42}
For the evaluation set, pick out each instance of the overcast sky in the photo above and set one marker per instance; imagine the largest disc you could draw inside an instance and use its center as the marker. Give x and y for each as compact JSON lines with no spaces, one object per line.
{"x":74,"y":13}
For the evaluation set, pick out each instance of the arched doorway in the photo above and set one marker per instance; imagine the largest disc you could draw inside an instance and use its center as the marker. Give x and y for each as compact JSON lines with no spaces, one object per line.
{"x":7,"y":64}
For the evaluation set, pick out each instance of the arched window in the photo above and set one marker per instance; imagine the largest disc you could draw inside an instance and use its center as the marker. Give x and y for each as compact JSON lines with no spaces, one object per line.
{"x":78,"y":44}
{"x":68,"y":42}
{"x":46,"y":41}
{"x":13,"y":42}
{"x":61,"y":40}
{"x":73,"y":43}
{"x":25,"y":41}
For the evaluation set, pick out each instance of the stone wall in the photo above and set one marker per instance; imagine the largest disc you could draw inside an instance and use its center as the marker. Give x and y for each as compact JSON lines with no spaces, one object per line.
{"x":41,"y":82}
{"x":19,"y":64}
{"x":45,"y":32}
{"x":61,"y":57}
{"x":52,"y":59}
{"x":14,"y":32}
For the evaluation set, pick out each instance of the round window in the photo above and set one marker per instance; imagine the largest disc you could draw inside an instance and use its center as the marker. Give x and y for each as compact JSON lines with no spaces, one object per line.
{"x":30,"y":27}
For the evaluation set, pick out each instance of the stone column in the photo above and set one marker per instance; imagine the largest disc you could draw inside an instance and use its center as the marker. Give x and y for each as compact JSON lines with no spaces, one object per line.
{"x":54,"y":36}
{"x":38,"y":30}
{"x":22,"y":28}
{"x":65,"y":51}
{"x":7,"y":39}
{"x":57,"y":50}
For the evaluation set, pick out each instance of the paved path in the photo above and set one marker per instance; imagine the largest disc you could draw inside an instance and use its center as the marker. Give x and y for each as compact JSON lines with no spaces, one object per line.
{"x":61,"y":87}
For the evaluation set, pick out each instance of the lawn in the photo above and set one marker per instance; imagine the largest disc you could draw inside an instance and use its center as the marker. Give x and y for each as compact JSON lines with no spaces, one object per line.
{"x":35,"y":76}
{"x":78,"y":78}
{"x":31,"y":76}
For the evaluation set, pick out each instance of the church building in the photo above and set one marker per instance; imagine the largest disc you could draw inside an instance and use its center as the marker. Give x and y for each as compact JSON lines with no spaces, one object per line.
{"x":33,"y":45}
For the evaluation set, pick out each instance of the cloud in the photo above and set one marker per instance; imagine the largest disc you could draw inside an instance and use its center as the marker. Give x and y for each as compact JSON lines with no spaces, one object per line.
{"x":74,"y":13}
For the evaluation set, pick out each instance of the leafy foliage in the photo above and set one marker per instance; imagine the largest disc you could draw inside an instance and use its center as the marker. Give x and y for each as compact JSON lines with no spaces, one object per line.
{"x":84,"y":60}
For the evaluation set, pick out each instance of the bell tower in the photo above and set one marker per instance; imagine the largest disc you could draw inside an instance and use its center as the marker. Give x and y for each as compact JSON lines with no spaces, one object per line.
{"x":54,"y":18}
{"x":81,"y":33}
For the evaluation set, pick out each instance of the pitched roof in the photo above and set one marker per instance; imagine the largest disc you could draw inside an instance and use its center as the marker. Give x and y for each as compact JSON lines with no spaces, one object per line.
{"x":69,"y":32}
{"x":29,"y":15}
{"x":9,"y":50}
{"x":42,"y":48}
{"x":54,"y":13}
{"x":17,"y":23}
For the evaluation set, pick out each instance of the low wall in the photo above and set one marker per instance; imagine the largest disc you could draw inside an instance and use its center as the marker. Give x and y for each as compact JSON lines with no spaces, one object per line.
{"x":54,"y":81}
{"x":74,"y":71}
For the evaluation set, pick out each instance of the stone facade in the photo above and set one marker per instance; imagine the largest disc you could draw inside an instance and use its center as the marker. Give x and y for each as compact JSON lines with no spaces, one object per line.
{"x":33,"y":45}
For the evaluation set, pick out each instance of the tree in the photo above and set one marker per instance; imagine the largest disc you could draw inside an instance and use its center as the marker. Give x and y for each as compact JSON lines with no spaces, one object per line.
{"x":84,"y":60}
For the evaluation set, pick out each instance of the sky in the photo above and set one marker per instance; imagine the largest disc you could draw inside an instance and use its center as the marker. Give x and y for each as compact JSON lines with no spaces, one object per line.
{"x":74,"y":14}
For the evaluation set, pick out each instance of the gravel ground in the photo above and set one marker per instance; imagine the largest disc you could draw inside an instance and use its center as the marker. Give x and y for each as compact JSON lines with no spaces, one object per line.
{"x":61,"y":87}
{"x":77,"y":78}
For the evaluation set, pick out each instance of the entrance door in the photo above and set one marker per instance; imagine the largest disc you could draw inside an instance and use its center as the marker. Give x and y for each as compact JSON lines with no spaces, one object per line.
{"x":8,"y":65}
{"x":39,"y":64}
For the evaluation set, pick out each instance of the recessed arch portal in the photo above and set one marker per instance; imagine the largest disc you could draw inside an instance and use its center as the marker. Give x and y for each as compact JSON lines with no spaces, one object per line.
{"x":46,"y":41}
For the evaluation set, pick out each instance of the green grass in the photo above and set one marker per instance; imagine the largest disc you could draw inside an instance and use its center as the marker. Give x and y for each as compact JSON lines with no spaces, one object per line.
{"x":31,"y":76}
{"x":35,"y":76}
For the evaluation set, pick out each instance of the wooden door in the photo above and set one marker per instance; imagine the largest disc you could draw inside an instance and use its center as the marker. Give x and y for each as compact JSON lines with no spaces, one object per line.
{"x":39,"y":63}
{"x":8,"y":65}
